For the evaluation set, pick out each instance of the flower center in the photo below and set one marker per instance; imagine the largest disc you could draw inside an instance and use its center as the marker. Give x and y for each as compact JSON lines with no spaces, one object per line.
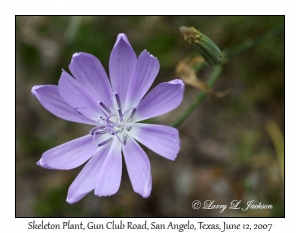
{"x":114,"y":122}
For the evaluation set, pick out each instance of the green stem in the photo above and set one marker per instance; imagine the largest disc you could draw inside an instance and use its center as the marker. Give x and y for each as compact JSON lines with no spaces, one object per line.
{"x":200,"y":97}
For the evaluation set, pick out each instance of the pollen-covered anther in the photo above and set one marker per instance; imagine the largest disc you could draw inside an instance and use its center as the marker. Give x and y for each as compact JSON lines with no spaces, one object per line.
{"x":132,"y":114}
{"x":118,"y":100}
{"x":120,"y":114}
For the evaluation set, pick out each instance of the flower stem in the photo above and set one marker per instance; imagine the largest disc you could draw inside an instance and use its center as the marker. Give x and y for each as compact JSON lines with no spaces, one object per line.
{"x":200,"y":97}
{"x":217,"y":70}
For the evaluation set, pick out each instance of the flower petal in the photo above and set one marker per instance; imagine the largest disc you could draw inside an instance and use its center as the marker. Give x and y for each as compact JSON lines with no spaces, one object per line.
{"x":86,"y":180}
{"x":121,"y":65}
{"x":122,"y":36}
{"x":42,"y":164}
{"x":89,"y":72}
{"x":69,"y":155}
{"x":145,"y":72}
{"x":138,"y":167}
{"x":78,"y":97}
{"x":49,"y":97}
{"x":163,"y":140}
{"x":109,"y":177}
{"x":162,"y":99}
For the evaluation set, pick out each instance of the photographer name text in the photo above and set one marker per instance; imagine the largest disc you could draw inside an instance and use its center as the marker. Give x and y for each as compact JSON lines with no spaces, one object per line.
{"x":234,"y":205}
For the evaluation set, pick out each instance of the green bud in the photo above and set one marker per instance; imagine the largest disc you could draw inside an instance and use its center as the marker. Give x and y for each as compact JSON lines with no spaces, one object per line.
{"x":203,"y":44}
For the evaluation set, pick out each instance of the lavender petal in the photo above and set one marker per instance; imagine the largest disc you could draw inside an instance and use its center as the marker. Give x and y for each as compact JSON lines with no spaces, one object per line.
{"x":145,"y":72}
{"x":121,"y":65}
{"x":86,"y":180}
{"x":70,"y":154}
{"x":43,"y":165}
{"x":163,"y":140}
{"x":162,"y":99}
{"x":122,"y":36}
{"x":109,"y":176}
{"x":89,"y":72}
{"x":78,"y":97}
{"x":138,"y":167}
{"x":49,"y":97}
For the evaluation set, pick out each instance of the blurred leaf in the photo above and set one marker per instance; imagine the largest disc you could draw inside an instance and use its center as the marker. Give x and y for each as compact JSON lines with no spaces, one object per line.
{"x":278,"y":142}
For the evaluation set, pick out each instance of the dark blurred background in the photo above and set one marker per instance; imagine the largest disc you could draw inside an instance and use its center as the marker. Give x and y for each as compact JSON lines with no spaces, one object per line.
{"x":231,"y":147}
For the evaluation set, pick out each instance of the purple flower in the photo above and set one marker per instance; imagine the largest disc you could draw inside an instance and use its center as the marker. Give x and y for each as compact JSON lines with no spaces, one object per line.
{"x":113,"y":109}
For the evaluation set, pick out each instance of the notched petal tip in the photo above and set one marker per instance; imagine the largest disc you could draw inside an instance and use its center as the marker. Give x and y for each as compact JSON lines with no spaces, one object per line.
{"x":75,"y":55}
{"x":148,"y":188}
{"x":147,"y":192}
{"x":80,"y":54}
{"x":177,"y":144}
{"x":98,"y":194}
{"x":177,"y":81}
{"x":145,"y":195}
{"x":33,"y":90}
{"x":42,"y":164}
{"x":122,"y":36}
{"x":145,"y":51}
{"x":39,"y":163}
{"x":63,"y":72}
{"x":73,"y":200}
{"x":173,"y":158}
{"x":70,"y":201}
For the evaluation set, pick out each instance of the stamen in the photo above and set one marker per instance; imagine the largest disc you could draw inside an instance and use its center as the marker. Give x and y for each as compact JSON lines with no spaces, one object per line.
{"x":105,"y":108}
{"x":118,"y":101}
{"x":120,"y":114}
{"x":132,"y":114}
{"x":105,"y":142}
